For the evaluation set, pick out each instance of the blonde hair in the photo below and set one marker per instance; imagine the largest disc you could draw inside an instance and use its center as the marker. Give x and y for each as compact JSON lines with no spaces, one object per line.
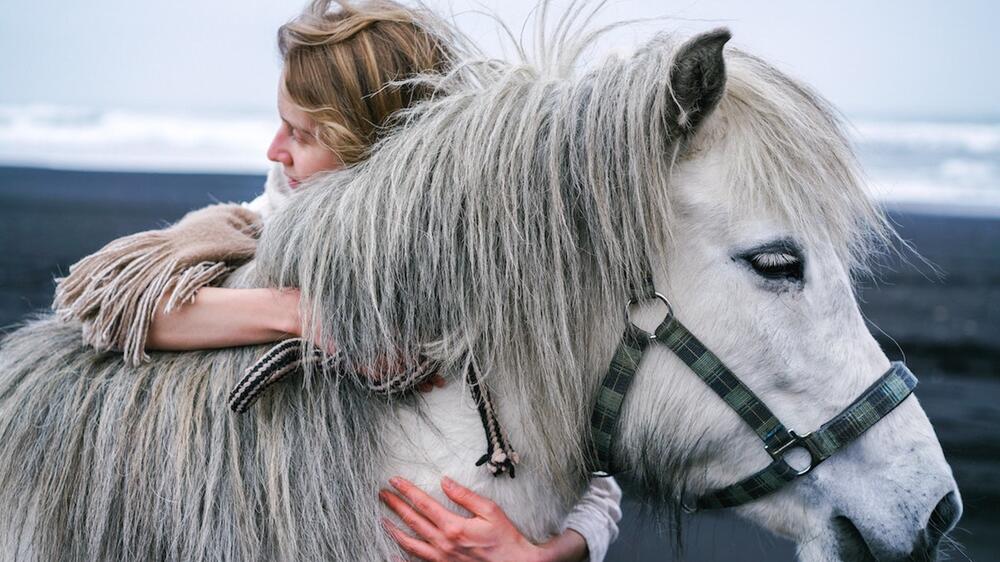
{"x":342,"y":67}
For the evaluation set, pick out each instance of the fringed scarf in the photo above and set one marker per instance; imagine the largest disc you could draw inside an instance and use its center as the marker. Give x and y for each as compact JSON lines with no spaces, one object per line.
{"x":116,"y":292}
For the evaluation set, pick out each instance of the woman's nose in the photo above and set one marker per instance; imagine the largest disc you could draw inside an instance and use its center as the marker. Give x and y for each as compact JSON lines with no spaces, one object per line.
{"x":278,"y":151}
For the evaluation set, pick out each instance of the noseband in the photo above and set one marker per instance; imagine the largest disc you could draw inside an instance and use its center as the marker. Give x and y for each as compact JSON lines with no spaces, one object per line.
{"x":871,"y":406}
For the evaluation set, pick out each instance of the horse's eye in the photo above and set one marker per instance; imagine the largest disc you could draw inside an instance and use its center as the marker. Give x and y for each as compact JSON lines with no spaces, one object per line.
{"x":776,"y":265}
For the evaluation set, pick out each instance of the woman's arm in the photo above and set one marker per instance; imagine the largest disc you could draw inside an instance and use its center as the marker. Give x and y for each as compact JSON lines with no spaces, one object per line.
{"x":220,"y":317}
{"x":116,"y":292}
{"x":596,"y":516}
{"x":487,"y":536}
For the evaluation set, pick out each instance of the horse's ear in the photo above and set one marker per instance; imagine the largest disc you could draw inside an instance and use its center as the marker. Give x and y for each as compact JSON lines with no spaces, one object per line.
{"x":698,"y":78}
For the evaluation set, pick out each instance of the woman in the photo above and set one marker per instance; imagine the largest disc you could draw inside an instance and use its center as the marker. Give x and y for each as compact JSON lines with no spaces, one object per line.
{"x":153,"y":290}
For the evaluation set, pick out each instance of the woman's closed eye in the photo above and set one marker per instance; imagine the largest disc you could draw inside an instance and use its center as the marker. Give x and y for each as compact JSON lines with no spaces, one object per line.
{"x":303,"y":136}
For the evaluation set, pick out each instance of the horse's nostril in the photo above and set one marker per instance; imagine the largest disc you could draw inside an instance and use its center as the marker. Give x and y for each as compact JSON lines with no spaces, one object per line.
{"x":851,"y":544}
{"x":854,"y":544}
{"x":943,"y":519}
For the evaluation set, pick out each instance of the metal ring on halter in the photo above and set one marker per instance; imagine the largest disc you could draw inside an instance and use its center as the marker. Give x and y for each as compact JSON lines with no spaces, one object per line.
{"x":797,"y":442}
{"x":689,"y":502}
{"x":656,"y":295}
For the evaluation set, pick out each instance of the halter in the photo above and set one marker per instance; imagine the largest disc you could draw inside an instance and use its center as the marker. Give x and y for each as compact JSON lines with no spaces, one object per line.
{"x":871,"y":406}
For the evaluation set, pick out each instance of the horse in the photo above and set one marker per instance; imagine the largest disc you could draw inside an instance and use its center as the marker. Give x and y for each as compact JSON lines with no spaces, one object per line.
{"x":506,"y":225}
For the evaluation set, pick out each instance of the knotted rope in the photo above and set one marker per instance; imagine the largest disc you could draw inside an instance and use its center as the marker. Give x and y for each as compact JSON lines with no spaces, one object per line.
{"x":286,"y":358}
{"x":500,"y":456}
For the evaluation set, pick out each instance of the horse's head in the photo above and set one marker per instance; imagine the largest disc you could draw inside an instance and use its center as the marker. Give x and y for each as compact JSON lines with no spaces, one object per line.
{"x":768,"y":224}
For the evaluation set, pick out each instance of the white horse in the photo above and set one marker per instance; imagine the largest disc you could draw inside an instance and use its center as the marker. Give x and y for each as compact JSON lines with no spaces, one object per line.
{"x":506,"y":224}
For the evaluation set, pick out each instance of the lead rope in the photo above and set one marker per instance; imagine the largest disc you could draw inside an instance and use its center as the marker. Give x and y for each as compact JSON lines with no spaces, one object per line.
{"x":286,"y":358}
{"x":500,"y":457}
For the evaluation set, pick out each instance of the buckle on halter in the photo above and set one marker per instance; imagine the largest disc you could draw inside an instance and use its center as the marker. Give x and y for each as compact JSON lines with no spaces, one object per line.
{"x":796,"y":442}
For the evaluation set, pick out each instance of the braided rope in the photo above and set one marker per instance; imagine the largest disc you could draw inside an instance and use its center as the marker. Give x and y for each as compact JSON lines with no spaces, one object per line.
{"x":279,"y":361}
{"x":500,"y":457}
{"x":286,"y":358}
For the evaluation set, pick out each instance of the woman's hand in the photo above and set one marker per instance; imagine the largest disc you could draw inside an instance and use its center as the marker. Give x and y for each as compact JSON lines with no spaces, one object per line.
{"x":435,"y":381}
{"x":487,"y":536}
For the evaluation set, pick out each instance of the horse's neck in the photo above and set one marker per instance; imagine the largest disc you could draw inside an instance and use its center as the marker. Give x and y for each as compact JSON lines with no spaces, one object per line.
{"x":446,"y":439}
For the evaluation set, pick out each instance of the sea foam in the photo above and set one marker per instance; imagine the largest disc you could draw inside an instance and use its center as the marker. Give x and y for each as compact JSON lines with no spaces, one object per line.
{"x":931,"y":163}
{"x":123,"y":140}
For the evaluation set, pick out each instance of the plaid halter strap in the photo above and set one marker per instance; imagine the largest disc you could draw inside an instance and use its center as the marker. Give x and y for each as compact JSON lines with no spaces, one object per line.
{"x":871,"y":406}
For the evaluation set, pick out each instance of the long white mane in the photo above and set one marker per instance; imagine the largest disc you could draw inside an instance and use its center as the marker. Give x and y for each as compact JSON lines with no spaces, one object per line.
{"x":506,"y":220}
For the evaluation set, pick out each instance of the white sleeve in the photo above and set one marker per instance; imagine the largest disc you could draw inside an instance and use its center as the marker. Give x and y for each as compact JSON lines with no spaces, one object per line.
{"x":276,"y":194}
{"x":259,"y":205}
{"x":596,"y":516}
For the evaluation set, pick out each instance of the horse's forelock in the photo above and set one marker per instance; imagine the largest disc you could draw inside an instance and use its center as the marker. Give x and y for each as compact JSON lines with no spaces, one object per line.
{"x":786,"y":150}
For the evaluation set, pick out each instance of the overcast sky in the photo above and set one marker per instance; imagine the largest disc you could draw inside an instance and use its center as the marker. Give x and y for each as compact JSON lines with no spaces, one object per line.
{"x":885,"y":58}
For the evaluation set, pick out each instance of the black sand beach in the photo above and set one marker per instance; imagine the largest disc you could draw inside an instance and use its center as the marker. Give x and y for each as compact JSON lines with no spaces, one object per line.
{"x":948,"y":327}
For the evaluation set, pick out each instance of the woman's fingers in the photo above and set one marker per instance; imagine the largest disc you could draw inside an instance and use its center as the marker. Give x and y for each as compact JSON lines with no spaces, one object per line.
{"x":415,"y":521}
{"x":426,"y":505}
{"x":432,"y":382}
{"x":476,"y":504}
{"x":412,"y":546}
{"x":490,"y":535}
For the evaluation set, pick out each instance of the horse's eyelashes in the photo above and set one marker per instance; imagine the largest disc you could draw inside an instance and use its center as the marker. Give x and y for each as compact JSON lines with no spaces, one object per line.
{"x":774,"y":260}
{"x":777,"y":266}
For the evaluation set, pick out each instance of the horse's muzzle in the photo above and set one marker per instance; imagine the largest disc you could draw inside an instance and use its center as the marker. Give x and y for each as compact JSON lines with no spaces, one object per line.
{"x":862,"y":545}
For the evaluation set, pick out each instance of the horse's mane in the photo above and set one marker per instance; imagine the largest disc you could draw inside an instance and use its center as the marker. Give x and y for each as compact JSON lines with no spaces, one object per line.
{"x":510,"y":216}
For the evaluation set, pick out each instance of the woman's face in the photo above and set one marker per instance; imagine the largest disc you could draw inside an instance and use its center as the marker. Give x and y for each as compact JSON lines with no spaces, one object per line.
{"x":295,"y":145}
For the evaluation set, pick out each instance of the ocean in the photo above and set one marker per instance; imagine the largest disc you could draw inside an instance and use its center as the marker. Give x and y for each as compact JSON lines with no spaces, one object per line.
{"x":73,"y":179}
{"x":945,"y":165}
{"x":932,"y":164}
